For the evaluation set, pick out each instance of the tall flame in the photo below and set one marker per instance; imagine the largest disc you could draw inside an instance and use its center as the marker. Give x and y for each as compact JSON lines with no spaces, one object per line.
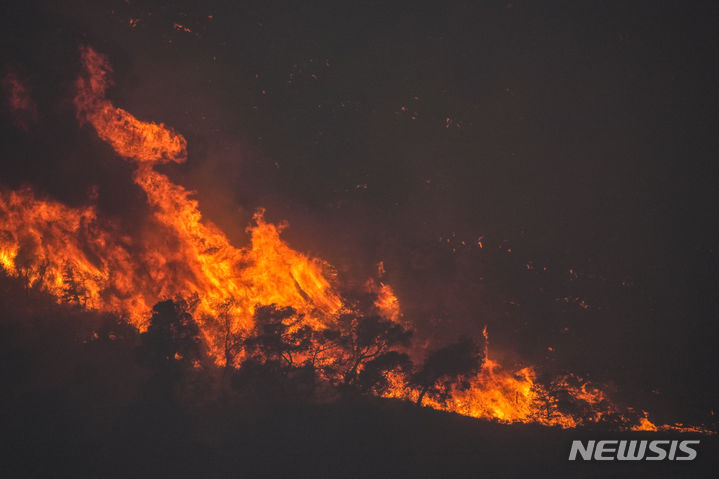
{"x":80,"y":258}
{"x":74,"y":255}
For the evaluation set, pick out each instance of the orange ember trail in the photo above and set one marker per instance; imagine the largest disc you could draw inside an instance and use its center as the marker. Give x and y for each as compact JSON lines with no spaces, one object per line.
{"x":85,"y":260}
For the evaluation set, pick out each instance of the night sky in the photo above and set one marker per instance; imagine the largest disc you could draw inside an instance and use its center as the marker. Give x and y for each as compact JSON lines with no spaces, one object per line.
{"x":577,"y":139}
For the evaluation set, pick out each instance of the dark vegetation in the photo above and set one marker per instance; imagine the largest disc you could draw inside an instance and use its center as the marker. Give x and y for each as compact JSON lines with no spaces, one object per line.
{"x":85,"y":395}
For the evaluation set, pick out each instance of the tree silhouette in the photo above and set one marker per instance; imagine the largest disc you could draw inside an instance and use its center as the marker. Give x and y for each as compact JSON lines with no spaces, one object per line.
{"x":279,"y":362}
{"x":170,"y":348}
{"x":73,"y":292}
{"x":373,"y":377}
{"x":368,"y":338}
{"x":278,"y":336}
{"x":172,"y":338}
{"x":445,"y":366}
{"x":222,"y":326}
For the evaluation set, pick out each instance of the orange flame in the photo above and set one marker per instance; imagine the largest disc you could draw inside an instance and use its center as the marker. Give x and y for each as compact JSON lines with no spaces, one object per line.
{"x":646,"y":425}
{"x":387,"y":302}
{"x":506,"y":396}
{"x":82,"y":259}
{"x":73,"y":255}
{"x":498,"y":394}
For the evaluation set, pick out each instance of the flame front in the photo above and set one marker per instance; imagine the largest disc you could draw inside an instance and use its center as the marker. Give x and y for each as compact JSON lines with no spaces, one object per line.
{"x":505,"y":396}
{"x":72,"y":255}
{"x":80,"y":258}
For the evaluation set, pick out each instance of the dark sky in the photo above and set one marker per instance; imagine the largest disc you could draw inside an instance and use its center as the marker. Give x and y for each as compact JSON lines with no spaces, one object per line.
{"x":579,"y":137}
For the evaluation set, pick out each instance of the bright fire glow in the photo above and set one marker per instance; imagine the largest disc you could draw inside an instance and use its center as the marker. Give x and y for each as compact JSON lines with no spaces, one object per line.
{"x":80,"y":258}
{"x":75,"y":256}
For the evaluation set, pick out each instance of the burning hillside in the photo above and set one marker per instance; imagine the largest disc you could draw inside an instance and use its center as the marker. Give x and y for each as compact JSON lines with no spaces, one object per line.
{"x":72,"y":252}
{"x":239,"y":296}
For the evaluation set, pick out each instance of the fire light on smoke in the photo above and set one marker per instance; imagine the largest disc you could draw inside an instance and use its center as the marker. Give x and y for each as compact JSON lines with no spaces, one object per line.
{"x":74,"y":255}
{"x":386,"y":303}
{"x":19,"y":101}
{"x":83,"y":259}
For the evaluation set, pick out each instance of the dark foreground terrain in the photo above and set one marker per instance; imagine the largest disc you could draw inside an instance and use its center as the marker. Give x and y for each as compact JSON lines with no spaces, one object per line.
{"x":48,"y":434}
{"x":75,"y":402}
{"x":361,"y":440}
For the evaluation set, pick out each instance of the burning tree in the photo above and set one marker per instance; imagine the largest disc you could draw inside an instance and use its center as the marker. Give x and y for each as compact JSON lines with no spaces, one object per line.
{"x":278,"y":337}
{"x":223,"y":329}
{"x":367,"y":341}
{"x":308,"y":327}
{"x":375,"y":375}
{"x":73,"y":291}
{"x":445,"y":367}
{"x":278,"y":355}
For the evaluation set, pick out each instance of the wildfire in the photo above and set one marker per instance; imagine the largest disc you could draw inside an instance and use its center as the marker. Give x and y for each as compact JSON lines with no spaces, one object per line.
{"x":386,"y":303}
{"x":76,"y":257}
{"x":506,"y":396}
{"x":83,"y":259}
{"x":646,"y":425}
